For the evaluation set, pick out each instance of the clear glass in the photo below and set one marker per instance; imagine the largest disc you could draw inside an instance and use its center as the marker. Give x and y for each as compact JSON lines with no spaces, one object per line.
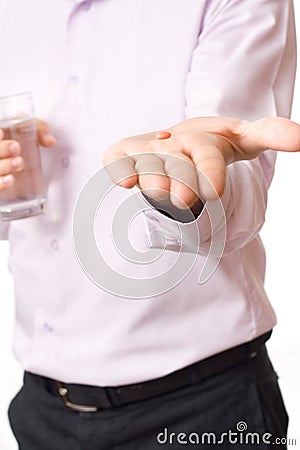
{"x":26,"y":197}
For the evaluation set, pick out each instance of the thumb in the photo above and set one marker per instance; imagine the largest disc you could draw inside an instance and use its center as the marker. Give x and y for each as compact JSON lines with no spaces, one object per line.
{"x":275,"y":133}
{"x":44,"y":134}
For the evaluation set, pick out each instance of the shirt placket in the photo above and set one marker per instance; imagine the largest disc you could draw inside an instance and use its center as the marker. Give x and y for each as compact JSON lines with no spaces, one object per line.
{"x":71,"y":77}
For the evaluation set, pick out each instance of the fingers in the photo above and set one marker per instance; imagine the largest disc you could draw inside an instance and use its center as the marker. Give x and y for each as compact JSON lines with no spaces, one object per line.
{"x":145,"y":170}
{"x":151,"y":174}
{"x":44,"y":134}
{"x":159,"y":175}
{"x":9,"y":148}
{"x":9,"y":165}
{"x":211,"y":169}
{"x":11,"y":160}
{"x":6,"y":181}
{"x":209,"y":154}
{"x":183,"y":180}
{"x":181,"y":167}
{"x":175,"y":168}
{"x":198,"y":170}
{"x":120,"y":167}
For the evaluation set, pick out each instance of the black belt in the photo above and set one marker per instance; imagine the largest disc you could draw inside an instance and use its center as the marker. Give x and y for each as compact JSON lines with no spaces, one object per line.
{"x":92,"y":398}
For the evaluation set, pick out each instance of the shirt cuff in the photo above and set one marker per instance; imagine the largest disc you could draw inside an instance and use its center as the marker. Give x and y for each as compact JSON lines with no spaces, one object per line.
{"x":185,"y":232}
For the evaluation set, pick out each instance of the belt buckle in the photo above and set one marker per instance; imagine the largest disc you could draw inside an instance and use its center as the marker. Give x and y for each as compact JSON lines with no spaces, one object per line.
{"x":63,"y":391}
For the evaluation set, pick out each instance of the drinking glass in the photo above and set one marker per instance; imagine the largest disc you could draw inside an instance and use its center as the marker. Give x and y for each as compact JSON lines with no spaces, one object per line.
{"x":26,"y":197}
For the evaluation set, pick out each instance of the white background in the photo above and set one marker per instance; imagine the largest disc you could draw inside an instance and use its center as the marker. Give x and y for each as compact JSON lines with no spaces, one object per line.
{"x":282,"y":241}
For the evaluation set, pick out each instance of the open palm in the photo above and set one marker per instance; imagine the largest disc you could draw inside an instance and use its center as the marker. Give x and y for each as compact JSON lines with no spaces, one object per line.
{"x":189,"y":160}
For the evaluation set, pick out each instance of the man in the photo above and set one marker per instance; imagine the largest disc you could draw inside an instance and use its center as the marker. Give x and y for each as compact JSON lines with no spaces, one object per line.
{"x":104,"y":371}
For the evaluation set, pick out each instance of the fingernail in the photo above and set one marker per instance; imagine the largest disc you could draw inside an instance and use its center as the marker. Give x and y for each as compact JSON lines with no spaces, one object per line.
{"x":49,"y":138}
{"x":13,"y":148}
{"x":8,"y":179}
{"x":17,"y":162}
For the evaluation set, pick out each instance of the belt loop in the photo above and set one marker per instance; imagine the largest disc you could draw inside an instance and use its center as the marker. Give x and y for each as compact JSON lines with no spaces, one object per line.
{"x":113,"y":395}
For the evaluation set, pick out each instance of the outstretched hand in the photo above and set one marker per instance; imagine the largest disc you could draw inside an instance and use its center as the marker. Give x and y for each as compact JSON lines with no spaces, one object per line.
{"x":188,"y":160}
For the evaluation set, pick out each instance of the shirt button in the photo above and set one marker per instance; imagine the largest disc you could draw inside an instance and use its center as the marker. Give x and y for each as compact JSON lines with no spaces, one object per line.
{"x":73,"y":80}
{"x":65,"y":161}
{"x":48,"y":326}
{"x":54,"y":244}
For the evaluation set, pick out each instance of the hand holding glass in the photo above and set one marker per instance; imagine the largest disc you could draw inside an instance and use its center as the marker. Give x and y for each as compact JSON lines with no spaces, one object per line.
{"x":26,"y":196}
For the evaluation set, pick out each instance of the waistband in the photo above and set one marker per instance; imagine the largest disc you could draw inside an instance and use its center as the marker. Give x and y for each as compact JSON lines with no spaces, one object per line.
{"x":93,"y":398}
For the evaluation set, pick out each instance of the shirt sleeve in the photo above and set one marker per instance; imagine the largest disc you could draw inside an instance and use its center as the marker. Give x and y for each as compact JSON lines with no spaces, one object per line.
{"x":243,"y":66}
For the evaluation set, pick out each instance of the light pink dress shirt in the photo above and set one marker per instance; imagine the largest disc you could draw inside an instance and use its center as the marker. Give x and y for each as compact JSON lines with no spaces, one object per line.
{"x":102,"y":70}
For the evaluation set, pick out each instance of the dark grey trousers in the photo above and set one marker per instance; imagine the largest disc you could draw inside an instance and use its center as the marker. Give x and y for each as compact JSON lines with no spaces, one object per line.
{"x":240,"y":408}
